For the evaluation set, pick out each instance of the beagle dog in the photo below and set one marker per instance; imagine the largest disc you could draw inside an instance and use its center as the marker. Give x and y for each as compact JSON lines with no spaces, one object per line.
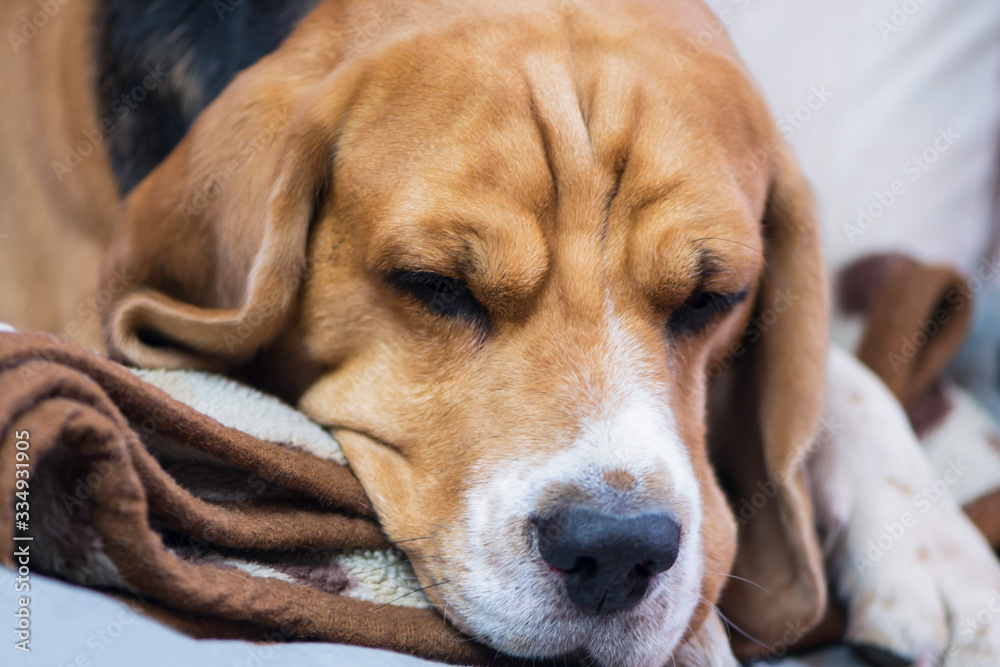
{"x":551,"y":276}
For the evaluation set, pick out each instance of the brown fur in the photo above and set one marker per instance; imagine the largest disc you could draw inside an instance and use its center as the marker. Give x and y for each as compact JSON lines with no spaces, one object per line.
{"x":556,"y":156}
{"x":52,"y":232}
{"x":916,"y":318}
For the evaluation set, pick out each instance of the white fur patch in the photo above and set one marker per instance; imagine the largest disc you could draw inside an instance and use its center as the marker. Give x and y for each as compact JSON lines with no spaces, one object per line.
{"x":504,"y":593}
{"x":967,"y":433}
{"x":917,"y":577}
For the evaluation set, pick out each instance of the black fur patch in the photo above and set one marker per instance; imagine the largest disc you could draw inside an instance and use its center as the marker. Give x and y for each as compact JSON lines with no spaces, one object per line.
{"x":160,"y":62}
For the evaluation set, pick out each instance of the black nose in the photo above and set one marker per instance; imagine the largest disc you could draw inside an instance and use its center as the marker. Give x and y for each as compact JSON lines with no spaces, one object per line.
{"x":607,"y":560}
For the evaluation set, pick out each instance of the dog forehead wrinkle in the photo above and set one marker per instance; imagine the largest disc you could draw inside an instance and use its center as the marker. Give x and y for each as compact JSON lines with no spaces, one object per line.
{"x":582,"y":184}
{"x":499,"y":251}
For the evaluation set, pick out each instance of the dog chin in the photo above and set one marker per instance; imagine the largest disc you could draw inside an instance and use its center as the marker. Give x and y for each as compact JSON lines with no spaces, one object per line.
{"x":625,"y":645}
{"x":645,"y":636}
{"x":607,"y":643}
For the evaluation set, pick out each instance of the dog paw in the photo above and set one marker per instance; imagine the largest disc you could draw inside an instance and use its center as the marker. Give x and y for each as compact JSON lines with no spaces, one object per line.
{"x":894,"y":610}
{"x":924,"y":590}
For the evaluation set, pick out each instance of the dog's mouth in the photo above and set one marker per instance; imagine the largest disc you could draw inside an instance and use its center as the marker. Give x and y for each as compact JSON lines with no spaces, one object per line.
{"x":527,"y":607}
{"x":538,"y":621}
{"x":563,"y":595}
{"x":611,"y":579}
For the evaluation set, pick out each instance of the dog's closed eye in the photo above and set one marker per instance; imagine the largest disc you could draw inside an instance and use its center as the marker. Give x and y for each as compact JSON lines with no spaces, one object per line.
{"x":698,"y":311}
{"x":442,"y":295}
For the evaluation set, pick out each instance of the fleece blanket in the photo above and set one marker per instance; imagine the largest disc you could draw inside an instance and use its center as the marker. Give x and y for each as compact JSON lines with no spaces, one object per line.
{"x":244,"y":525}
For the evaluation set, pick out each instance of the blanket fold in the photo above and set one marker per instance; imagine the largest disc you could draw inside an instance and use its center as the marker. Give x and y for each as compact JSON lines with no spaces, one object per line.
{"x":124,"y":494}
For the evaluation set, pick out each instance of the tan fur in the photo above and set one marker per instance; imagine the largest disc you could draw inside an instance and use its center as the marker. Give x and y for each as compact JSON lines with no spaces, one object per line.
{"x":52,"y":232}
{"x":566,"y":160}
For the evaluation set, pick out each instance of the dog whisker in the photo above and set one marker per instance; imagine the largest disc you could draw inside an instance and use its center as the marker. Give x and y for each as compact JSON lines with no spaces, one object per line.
{"x":732,"y":267}
{"x":412,"y":539}
{"x":384,"y":567}
{"x":730,"y":624}
{"x":395,"y":600}
{"x":733,"y":576}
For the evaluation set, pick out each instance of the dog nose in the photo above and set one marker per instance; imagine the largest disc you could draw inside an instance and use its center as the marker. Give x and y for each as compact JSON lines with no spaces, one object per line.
{"x":607,"y":560}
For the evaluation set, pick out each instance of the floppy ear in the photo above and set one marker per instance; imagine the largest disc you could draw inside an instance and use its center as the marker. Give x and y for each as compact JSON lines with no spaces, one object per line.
{"x":771,"y":400}
{"x":210,"y":251}
{"x":916,"y":318}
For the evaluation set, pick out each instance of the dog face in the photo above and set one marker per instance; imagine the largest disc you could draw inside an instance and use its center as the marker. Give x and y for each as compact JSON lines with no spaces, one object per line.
{"x":525,"y":235}
{"x":535,"y":297}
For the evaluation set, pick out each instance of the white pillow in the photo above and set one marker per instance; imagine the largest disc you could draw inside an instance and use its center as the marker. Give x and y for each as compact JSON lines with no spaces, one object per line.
{"x":860,"y":87}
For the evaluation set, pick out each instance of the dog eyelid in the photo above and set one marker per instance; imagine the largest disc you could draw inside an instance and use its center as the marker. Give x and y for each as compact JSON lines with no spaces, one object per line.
{"x":443,"y":295}
{"x":700,"y":309}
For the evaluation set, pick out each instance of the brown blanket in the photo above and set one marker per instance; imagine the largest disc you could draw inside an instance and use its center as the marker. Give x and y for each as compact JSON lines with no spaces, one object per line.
{"x":102,"y":509}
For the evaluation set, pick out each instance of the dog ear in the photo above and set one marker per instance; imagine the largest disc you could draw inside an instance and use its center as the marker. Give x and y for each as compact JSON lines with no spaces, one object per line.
{"x":210,"y":251}
{"x":916,"y":318}
{"x":773,"y":393}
